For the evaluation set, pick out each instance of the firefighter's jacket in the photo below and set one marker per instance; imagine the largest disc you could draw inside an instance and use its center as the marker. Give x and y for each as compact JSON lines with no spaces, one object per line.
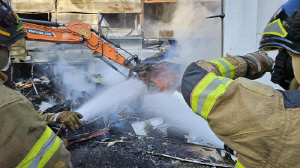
{"x":25,"y":140}
{"x":262,"y":124}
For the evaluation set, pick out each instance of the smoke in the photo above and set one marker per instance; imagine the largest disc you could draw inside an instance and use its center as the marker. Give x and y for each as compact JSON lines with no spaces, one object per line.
{"x":175,"y":110}
{"x":197,"y":38}
{"x":77,"y":77}
{"x":131,"y":95}
{"x":74,"y":78}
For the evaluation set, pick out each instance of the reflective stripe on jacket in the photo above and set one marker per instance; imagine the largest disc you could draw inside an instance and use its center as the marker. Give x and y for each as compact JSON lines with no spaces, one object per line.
{"x":239,"y":165}
{"x":25,"y":139}
{"x":42,"y":151}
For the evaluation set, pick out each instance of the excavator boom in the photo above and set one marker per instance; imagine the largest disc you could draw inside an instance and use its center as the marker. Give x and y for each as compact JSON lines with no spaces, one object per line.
{"x":99,"y":45}
{"x":74,"y":33}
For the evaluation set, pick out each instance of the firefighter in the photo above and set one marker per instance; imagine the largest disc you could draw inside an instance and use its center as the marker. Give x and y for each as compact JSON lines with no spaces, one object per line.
{"x":262,"y":124}
{"x":25,"y":141}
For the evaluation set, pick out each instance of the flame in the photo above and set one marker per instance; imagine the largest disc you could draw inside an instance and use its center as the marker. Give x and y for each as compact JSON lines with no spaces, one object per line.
{"x":167,"y":75}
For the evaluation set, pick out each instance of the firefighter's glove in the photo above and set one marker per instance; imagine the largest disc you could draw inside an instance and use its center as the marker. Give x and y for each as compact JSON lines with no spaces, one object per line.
{"x":258,"y":64}
{"x":70,"y":119}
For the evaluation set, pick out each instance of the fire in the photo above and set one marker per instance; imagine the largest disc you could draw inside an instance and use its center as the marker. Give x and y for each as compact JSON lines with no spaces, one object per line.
{"x":167,"y":75}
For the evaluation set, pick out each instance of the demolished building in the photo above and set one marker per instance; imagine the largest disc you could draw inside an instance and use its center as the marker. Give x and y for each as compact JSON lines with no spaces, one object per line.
{"x":142,"y":140}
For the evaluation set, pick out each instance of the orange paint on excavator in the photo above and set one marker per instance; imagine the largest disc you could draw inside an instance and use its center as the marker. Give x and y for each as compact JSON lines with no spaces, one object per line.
{"x":166,"y":75}
{"x":75,"y":33}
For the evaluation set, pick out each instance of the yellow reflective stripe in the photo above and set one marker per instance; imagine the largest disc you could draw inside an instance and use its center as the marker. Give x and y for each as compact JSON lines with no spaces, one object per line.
{"x":221,"y":67}
{"x":49,"y":153}
{"x":206,"y":93}
{"x":35,"y":149}
{"x":273,"y":25}
{"x":212,"y":98}
{"x":239,"y":165}
{"x":4,"y":33}
{"x":20,"y":28}
{"x":202,"y":84}
{"x":225,"y":67}
{"x":232,"y":68}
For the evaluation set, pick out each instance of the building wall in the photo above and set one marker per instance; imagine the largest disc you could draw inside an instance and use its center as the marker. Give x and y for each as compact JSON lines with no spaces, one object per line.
{"x":245,"y":21}
{"x":81,"y":6}
{"x":85,"y":11}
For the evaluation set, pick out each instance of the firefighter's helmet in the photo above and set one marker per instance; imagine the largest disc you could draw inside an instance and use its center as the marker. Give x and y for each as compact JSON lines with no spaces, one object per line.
{"x":11,"y":27}
{"x":283,"y":33}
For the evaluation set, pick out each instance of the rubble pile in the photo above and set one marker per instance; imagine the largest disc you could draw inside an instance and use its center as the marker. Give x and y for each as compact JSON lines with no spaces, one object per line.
{"x":144,"y":152}
{"x":43,"y":85}
{"x":140,"y":140}
{"x":39,"y":90}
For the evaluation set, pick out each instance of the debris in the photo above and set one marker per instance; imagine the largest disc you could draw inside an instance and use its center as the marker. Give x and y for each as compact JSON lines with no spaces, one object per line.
{"x":166,"y":34}
{"x":145,"y":127}
{"x":194,"y":161}
{"x":114,"y":142}
{"x":36,"y":92}
{"x":192,"y":138}
{"x":144,"y":151}
{"x":88,"y":130}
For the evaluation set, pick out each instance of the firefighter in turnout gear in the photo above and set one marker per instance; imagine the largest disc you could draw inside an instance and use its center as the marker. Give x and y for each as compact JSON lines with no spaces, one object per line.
{"x":26,"y":140}
{"x":262,"y":124}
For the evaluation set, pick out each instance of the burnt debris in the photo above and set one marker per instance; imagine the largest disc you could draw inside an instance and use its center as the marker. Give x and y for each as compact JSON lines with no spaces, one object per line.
{"x":140,"y":140}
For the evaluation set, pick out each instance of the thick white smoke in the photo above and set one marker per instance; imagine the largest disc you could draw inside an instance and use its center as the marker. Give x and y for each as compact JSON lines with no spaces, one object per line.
{"x":174,"y":109}
{"x":74,"y":78}
{"x":78,"y":78}
{"x":200,"y":38}
{"x":131,"y":95}
{"x":197,"y":37}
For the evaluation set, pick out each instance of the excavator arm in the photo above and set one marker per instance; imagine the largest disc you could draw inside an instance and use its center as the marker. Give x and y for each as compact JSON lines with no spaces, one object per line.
{"x":76,"y":33}
{"x":101,"y":47}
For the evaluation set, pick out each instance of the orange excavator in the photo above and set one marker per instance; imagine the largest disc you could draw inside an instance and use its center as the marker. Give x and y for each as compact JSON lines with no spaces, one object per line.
{"x":100,"y":46}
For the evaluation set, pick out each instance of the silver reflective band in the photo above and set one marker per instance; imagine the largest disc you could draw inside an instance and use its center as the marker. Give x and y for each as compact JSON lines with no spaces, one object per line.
{"x":7,"y":66}
{"x":256,"y":61}
{"x":56,"y":115}
{"x":276,"y":28}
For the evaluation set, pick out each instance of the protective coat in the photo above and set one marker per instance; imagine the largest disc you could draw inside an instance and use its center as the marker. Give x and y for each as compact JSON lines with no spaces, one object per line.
{"x":25,"y":139}
{"x":260,"y":123}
